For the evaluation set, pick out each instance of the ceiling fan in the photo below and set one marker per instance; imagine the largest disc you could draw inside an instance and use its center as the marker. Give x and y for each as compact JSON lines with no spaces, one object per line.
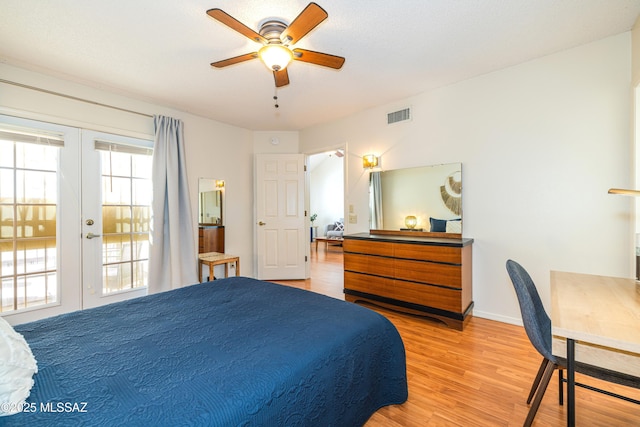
{"x":277,"y":38}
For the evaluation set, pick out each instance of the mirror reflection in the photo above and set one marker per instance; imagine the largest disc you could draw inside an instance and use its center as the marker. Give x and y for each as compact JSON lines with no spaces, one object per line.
{"x":427,"y":198}
{"x":210,"y":201}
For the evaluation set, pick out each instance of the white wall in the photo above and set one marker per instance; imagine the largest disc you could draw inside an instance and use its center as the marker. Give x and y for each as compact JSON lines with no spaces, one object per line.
{"x":214,"y":149}
{"x":540,"y":144}
{"x":274,"y":142}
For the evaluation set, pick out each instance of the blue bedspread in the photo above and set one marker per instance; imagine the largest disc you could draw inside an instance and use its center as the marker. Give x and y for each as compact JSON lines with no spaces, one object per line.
{"x":234,"y":352}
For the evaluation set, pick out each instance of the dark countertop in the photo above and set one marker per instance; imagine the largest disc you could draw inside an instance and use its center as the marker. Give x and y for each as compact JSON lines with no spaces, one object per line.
{"x":417,"y":240}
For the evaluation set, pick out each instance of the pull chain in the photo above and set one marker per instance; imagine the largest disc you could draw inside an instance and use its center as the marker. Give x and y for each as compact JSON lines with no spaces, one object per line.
{"x":275,"y":98}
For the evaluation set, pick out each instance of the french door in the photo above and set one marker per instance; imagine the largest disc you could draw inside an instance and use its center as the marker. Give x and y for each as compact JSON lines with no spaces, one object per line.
{"x":74,"y":211}
{"x":116,"y":213}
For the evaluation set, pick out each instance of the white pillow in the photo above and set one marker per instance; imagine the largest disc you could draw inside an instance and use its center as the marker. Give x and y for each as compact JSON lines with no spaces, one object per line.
{"x":17,"y":366}
{"x":454,"y":227}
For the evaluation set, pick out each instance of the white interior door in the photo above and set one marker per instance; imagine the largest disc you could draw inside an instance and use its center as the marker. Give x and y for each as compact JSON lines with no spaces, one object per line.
{"x":116,"y":199}
{"x":282,"y":236}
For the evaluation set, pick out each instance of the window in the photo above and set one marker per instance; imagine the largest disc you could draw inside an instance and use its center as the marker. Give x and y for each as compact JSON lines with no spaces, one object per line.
{"x":28,"y":218}
{"x":126,"y":206}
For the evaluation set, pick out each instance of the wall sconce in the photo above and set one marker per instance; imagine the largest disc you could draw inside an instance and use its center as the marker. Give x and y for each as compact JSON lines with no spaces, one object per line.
{"x":369,"y":161}
{"x":219,"y":183}
{"x":411,"y":221}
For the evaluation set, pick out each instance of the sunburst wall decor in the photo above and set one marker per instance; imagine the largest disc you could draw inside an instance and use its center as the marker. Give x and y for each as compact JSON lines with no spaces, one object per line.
{"x":451,"y":192}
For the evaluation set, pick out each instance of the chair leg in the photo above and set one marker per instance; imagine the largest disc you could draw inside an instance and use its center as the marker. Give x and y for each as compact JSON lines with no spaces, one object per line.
{"x":561,"y":386}
{"x":544,"y":382}
{"x":536,"y":381}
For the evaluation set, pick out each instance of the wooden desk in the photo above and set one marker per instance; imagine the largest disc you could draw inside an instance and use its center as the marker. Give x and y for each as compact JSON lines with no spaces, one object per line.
{"x":596,"y":320}
{"x":214,"y":258}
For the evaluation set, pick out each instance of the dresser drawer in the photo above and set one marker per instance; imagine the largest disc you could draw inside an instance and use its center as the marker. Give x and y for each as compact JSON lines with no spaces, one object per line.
{"x":366,"y":264}
{"x":430,"y":296}
{"x":446,"y":254}
{"x":368,"y":247}
{"x":429,"y":272}
{"x":368,"y":284}
{"x":422,"y":294}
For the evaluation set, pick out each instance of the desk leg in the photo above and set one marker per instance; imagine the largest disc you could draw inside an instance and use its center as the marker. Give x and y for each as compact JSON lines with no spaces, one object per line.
{"x":226,"y":269}
{"x":571,"y":383}
{"x":238,"y":267}
{"x":200,"y":270}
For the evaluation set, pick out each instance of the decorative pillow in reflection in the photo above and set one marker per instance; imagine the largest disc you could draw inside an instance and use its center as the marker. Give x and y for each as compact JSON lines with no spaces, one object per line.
{"x":454,"y":226}
{"x":445,"y":226}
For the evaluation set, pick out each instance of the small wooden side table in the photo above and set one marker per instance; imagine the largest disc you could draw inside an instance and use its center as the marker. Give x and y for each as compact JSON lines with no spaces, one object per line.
{"x":215,"y":258}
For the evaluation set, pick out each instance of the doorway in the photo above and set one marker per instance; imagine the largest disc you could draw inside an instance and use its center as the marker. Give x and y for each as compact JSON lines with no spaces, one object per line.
{"x":326,"y":200}
{"x":74,"y":213}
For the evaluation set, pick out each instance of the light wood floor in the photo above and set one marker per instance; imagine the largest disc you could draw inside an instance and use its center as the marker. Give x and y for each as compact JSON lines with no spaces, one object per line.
{"x":478,"y":377}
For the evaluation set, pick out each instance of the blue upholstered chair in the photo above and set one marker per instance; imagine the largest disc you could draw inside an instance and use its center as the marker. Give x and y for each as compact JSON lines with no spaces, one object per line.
{"x":537,"y":324}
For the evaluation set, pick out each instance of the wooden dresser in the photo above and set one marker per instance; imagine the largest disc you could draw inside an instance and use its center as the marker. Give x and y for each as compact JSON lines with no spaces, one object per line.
{"x":210,"y":238}
{"x":428,"y":276}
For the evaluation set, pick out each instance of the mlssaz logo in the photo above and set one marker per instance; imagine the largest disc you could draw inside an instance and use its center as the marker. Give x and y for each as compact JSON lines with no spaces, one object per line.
{"x":63,"y":407}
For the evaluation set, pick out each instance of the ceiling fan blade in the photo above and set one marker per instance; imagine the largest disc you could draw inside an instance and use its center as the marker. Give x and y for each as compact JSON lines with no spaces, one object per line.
{"x":234,"y":60}
{"x":308,"y":19}
{"x":233,"y":23}
{"x":281,"y":77}
{"x":318,"y":58}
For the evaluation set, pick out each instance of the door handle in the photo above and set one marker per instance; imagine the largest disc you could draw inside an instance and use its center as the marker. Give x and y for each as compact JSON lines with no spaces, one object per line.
{"x":91,"y":235}
{"x":262,"y":223}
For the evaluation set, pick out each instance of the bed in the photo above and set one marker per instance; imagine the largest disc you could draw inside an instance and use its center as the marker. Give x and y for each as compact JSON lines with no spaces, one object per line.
{"x":234,"y":352}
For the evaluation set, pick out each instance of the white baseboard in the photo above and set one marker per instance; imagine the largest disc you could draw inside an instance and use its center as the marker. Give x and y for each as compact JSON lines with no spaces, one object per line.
{"x":498,"y":318}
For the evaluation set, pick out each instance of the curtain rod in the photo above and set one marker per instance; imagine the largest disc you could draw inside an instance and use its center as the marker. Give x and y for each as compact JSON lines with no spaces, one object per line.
{"x":75,"y":98}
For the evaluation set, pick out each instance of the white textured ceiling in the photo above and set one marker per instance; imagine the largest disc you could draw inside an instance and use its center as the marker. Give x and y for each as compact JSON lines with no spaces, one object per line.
{"x":160,"y":50}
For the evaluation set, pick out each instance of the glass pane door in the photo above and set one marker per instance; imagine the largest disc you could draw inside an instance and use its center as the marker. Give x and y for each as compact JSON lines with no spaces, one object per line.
{"x":116,"y":217}
{"x":39,"y":184}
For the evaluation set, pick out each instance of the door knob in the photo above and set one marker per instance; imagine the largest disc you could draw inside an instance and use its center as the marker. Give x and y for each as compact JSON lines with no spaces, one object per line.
{"x":262,"y":223}
{"x":91,"y":235}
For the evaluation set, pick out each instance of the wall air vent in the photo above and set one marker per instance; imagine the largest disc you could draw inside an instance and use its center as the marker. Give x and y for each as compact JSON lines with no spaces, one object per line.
{"x":399,"y":116}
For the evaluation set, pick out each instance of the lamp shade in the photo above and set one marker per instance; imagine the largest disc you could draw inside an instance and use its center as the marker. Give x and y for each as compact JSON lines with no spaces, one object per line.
{"x":411,"y":221}
{"x":275,"y":56}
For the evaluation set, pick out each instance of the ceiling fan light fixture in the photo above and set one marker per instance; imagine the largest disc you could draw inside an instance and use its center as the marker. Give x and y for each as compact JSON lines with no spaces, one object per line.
{"x":277,"y":38}
{"x":275,"y":56}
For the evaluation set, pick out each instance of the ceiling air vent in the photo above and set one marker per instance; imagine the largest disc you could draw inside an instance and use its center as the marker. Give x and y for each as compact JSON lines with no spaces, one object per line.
{"x":399,"y":116}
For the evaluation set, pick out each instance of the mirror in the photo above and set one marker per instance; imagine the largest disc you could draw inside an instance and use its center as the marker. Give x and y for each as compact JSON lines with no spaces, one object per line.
{"x":431,"y":194}
{"x":210,"y":201}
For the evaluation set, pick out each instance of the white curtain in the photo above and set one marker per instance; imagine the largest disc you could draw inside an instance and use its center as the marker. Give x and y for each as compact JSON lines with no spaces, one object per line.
{"x":375,"y":200}
{"x":172,"y":257}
